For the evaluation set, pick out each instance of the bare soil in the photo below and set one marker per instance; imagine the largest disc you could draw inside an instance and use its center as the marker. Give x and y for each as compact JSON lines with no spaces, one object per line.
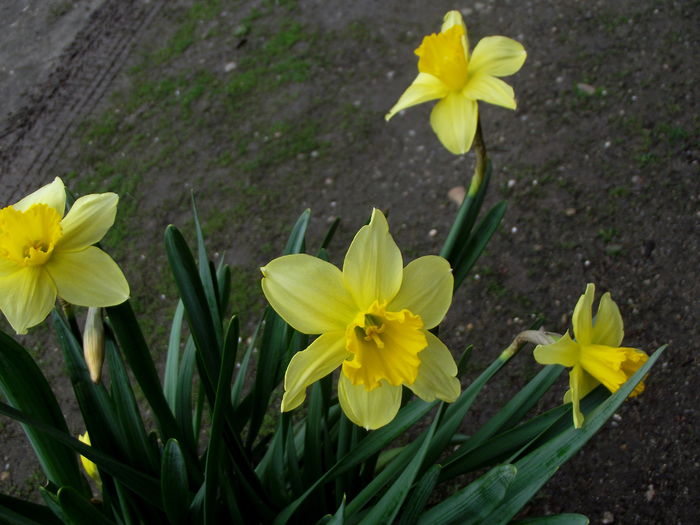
{"x":266,"y":108}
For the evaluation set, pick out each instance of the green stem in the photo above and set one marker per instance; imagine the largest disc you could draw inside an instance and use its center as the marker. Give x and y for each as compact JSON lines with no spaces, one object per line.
{"x":481,"y":159}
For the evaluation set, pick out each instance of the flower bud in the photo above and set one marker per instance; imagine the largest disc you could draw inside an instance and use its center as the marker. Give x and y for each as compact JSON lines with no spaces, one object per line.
{"x":89,"y":466}
{"x":94,"y":343}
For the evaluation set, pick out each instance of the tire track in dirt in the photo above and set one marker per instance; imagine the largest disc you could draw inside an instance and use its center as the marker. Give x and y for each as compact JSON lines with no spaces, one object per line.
{"x":38,"y":132}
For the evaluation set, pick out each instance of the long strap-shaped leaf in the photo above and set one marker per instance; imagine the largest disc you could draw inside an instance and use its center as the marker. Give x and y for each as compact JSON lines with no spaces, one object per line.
{"x":26,"y":388}
{"x":145,"y":486}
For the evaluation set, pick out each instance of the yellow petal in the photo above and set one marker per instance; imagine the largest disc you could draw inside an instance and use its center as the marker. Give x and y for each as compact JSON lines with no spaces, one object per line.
{"x":318,"y":360}
{"x":586,"y":385}
{"x":437,"y":373}
{"x":562,"y":352}
{"x":608,"y":328}
{"x":576,"y":385}
{"x":426,"y":290}
{"x":498,"y":56}
{"x":582,"y":316}
{"x":425,"y":87}
{"x":373,"y":266}
{"x":88,"y":278}
{"x":53,"y":194}
{"x":490,"y":89}
{"x":452,"y":18}
{"x":454,"y":121}
{"x":369,"y":409}
{"x":308,"y":293}
{"x":88,"y":220}
{"x":26,"y":297}
{"x":633,"y":362}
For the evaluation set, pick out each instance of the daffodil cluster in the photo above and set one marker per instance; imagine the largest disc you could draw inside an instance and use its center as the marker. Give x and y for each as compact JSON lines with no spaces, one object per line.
{"x":373,"y":318}
{"x":44,"y":254}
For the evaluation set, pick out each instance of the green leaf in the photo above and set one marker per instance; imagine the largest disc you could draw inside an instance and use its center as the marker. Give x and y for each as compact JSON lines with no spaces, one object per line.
{"x":132,"y":343}
{"x":295,"y":243}
{"x":218,"y":419}
{"x":472,"y":249}
{"x":474,"y":502}
{"x":197,"y":310}
{"x":145,"y":486}
{"x":79,"y":510}
{"x":208,"y":278}
{"x":540,"y":464}
{"x":419,"y":496}
{"x":503,"y":445}
{"x":559,"y":519}
{"x":26,"y":388}
{"x":370,"y":445}
{"x":174,"y":484}
{"x":172,"y":362}
{"x":21,"y":512}
{"x":136,"y":442}
{"x":388,"y":507}
{"x":336,"y":519}
{"x":464,"y":221}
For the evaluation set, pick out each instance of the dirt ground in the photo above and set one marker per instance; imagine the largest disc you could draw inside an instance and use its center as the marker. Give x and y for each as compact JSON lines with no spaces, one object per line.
{"x":265,"y":108}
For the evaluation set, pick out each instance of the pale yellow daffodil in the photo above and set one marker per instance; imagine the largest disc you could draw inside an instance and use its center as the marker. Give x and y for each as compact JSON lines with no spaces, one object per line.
{"x":373,"y":317}
{"x":447,"y":72}
{"x":88,"y":465}
{"x":44,"y":254}
{"x":595,"y":355}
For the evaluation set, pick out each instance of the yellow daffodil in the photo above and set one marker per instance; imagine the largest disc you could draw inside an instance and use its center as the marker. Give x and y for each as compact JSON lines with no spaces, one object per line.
{"x":448,"y":73}
{"x":44,"y":254}
{"x":373,"y":317}
{"x":595,"y":355}
{"x":89,"y":466}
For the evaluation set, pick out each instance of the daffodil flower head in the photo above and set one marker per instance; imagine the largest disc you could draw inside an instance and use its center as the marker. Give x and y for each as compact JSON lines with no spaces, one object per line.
{"x":373,"y":319}
{"x":447,"y":72}
{"x":44,"y":254}
{"x":595,"y":355}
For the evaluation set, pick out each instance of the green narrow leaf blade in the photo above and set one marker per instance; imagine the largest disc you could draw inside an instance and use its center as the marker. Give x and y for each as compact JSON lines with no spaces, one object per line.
{"x":174,"y":484}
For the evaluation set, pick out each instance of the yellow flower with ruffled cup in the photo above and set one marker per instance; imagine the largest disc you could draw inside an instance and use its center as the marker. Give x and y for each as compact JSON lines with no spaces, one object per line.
{"x":595,"y":356}
{"x":44,"y":254}
{"x":447,"y":72}
{"x":373,"y":317}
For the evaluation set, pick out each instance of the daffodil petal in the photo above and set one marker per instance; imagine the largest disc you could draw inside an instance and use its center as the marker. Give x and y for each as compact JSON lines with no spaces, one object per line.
{"x":88,"y":220}
{"x":424,"y":88}
{"x":452,"y":18}
{"x":373,"y":266}
{"x":586,"y":385}
{"x":608,"y":327}
{"x":576,"y":385}
{"x":53,"y":194}
{"x":605,"y":364}
{"x":562,"y":352}
{"x":426,"y":290}
{"x":490,"y":89}
{"x":26,"y":297}
{"x":308,"y":293}
{"x":369,"y":409}
{"x":437,"y":373}
{"x":582,"y":316}
{"x":318,"y":360}
{"x":453,"y":120}
{"x":498,"y":56}
{"x":88,"y":278}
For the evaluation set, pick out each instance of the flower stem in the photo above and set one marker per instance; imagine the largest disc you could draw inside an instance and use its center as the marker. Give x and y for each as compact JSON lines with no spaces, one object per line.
{"x":481,"y":159}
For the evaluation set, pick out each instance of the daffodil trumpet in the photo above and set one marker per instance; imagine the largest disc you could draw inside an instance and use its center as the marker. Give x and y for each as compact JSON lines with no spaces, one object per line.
{"x":373,"y":318}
